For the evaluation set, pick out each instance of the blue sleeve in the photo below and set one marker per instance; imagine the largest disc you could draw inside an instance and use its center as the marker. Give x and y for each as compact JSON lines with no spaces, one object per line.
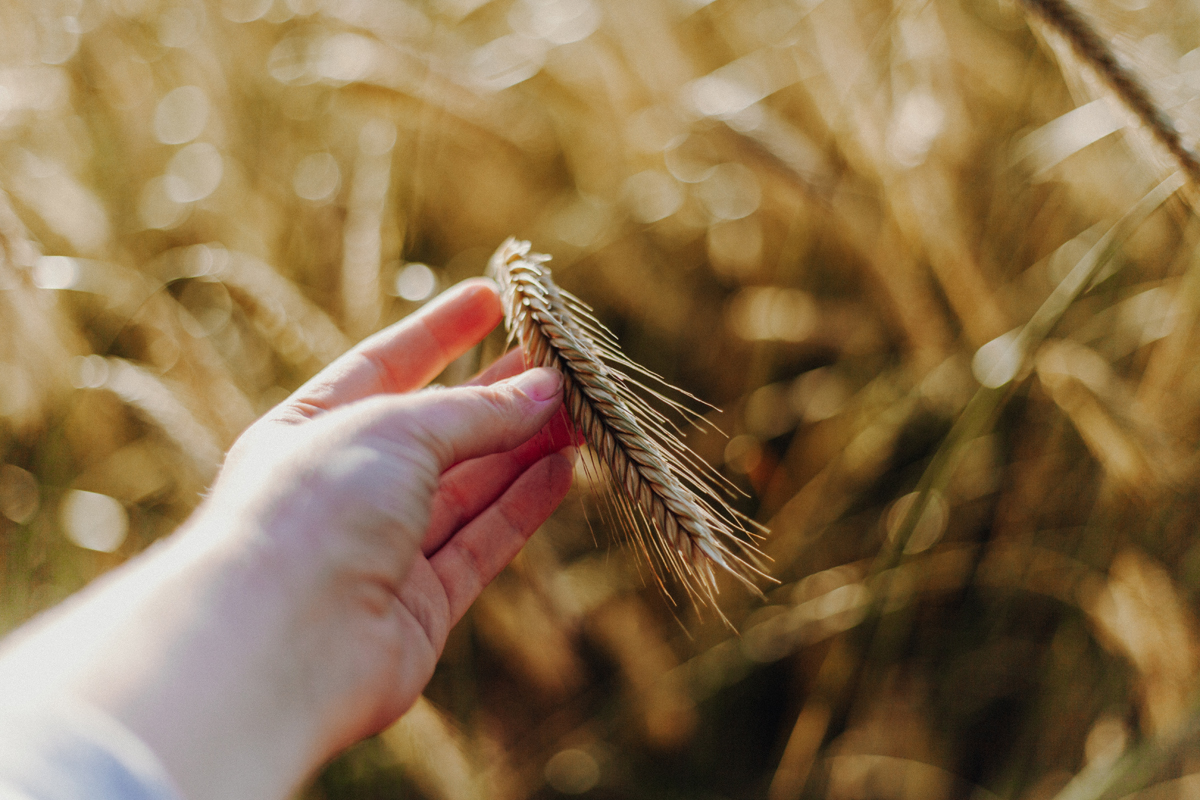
{"x":71,"y":751}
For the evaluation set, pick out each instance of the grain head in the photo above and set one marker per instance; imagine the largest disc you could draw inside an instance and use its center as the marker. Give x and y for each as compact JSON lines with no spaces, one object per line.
{"x":667,"y":501}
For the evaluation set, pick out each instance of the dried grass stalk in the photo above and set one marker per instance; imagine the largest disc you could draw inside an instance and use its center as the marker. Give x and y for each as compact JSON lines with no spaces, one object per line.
{"x":667,"y":500}
{"x":1092,"y":48}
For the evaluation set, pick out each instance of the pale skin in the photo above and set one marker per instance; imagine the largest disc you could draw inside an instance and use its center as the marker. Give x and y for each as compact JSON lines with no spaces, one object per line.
{"x":305,"y":604}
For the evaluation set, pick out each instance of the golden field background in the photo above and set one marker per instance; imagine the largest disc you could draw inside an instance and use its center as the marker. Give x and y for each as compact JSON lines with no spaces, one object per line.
{"x":827,"y":217}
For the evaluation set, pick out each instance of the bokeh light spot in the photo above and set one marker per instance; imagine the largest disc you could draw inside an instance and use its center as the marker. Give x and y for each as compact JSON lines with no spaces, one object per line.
{"x":718,"y":96}
{"x":819,"y":394}
{"x":244,"y":10}
{"x":743,"y":454}
{"x":194,"y":172}
{"x":1105,"y":742}
{"x":178,"y":27}
{"x":761,"y":313}
{"x":89,"y":372}
{"x":507,"y":61}
{"x":377,"y":138}
{"x":556,"y":21}
{"x":997,"y":362}
{"x":735,"y":246}
{"x":316,"y":177}
{"x":94,"y":521}
{"x":55,"y":272}
{"x":580,"y":221}
{"x":691,"y":160}
{"x":59,"y":38}
{"x":345,"y":58}
{"x":288,"y":61}
{"x":654,"y":130}
{"x":915,"y":127}
{"x":653,"y":195}
{"x":730,"y":192}
{"x":207,"y":307}
{"x":19,"y":496}
{"x":768,"y":411}
{"x":928,"y":529}
{"x":181,"y":115}
{"x":415,"y":282}
{"x":572,"y":771}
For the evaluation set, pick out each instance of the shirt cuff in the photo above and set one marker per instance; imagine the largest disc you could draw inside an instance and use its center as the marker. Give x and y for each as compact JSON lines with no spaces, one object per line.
{"x":71,"y":751}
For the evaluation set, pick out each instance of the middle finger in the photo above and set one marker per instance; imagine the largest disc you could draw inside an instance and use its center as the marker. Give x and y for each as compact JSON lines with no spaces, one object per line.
{"x":466,"y":489}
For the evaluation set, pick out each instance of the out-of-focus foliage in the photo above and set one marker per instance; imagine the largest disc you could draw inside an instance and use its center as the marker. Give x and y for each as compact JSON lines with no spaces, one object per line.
{"x":823,"y":216}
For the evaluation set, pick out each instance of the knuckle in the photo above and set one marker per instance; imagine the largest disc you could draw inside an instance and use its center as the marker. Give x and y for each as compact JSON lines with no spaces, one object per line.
{"x":510,"y":514}
{"x":507,"y":400}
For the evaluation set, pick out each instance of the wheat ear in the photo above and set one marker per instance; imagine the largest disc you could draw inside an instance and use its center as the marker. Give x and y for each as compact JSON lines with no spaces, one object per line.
{"x":1091,"y":48}
{"x":662,"y":494}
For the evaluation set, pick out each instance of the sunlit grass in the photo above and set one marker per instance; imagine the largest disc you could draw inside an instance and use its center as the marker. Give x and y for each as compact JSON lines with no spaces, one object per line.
{"x":838,"y":221}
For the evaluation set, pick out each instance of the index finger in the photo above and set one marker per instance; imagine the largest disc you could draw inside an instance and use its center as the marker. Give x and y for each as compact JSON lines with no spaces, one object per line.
{"x":407,"y":355}
{"x":503,"y":367}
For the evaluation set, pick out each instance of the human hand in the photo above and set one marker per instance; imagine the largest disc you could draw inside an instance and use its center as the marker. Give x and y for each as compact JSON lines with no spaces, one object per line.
{"x":305,"y":605}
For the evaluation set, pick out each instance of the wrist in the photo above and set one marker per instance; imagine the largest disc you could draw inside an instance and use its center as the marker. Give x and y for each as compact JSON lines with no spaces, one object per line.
{"x":198,"y":665}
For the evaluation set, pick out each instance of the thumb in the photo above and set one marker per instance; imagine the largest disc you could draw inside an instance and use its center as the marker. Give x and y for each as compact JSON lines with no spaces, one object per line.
{"x":472,"y":421}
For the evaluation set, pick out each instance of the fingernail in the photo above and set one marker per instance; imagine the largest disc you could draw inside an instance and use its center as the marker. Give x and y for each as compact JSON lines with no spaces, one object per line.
{"x":539,"y":383}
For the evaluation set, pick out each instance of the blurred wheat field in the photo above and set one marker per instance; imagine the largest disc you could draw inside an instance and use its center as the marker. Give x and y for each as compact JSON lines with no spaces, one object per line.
{"x":941,"y":282}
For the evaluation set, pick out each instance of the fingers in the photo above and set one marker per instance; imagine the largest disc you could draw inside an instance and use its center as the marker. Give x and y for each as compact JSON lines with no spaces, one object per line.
{"x":378,"y":464}
{"x":407,"y":355}
{"x":468,"y":422}
{"x":503,"y":367}
{"x":477,"y":553}
{"x":466,"y":489}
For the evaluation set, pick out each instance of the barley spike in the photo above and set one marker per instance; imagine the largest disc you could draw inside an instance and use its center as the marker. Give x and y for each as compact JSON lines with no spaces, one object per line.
{"x":661,"y":493}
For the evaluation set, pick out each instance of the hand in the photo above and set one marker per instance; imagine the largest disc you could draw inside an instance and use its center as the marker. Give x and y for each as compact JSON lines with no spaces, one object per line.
{"x":305,"y":604}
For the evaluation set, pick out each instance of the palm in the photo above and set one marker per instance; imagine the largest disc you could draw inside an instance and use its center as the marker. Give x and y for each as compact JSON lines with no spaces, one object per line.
{"x":423,"y":539}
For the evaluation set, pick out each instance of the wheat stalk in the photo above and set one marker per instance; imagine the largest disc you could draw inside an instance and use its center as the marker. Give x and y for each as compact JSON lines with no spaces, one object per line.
{"x":1093,"y":50}
{"x":662,"y":494}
